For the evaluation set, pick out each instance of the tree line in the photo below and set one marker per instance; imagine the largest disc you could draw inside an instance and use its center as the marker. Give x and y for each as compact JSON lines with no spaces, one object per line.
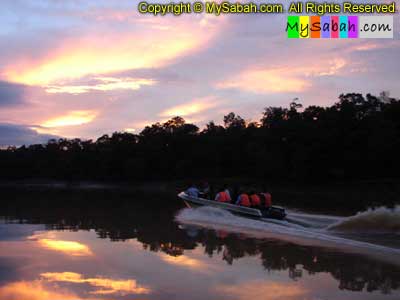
{"x":358,"y":137}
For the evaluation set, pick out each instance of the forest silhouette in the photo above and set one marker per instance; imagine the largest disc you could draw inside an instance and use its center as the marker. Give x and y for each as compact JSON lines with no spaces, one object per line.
{"x":358,"y":137}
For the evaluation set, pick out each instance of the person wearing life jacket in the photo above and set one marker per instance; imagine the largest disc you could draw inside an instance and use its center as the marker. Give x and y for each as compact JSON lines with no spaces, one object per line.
{"x":226,"y":190}
{"x":223,"y":196}
{"x":243,"y":200}
{"x":255,"y":200}
{"x":267,"y":199}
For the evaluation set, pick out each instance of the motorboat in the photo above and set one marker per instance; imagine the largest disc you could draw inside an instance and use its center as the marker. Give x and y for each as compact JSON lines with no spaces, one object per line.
{"x":273,"y":212}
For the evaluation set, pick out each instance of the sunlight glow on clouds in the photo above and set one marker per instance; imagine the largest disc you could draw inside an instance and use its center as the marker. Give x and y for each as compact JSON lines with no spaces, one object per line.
{"x":282,"y":79}
{"x":83,"y":70}
{"x":72,"y":118}
{"x":191,"y":108}
{"x":265,"y":81}
{"x":111,"y":52}
{"x":106,"y":84}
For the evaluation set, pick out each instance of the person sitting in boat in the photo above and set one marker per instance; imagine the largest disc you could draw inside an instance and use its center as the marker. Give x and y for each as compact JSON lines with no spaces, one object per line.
{"x":193,"y":191}
{"x":243,"y":200}
{"x":266,"y":199}
{"x":226,"y":190}
{"x":255,"y":200}
{"x":205,"y":191}
{"x":223,"y":195}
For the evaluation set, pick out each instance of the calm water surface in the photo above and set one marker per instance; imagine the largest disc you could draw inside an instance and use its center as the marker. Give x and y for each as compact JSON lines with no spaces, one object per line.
{"x":114,"y":249}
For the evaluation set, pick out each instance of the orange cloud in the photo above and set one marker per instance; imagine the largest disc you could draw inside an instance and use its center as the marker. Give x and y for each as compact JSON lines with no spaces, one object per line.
{"x":264,"y":290}
{"x":110,"y":52}
{"x":281,"y":79}
{"x":67,"y":247}
{"x":33,"y":291}
{"x":72,"y":118}
{"x":109,"y":286}
{"x":265,"y":81}
{"x":191,"y":108}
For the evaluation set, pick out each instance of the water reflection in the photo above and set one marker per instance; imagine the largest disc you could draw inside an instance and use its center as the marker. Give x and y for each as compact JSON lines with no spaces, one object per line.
{"x":67,"y":247}
{"x":258,"y":289}
{"x":107,"y":285}
{"x":35,"y":290}
{"x":354,"y":272}
{"x":152,"y":257}
{"x":185,"y":262}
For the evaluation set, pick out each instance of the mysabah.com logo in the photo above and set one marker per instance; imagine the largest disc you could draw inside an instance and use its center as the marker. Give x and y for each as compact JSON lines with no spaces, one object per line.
{"x":339,"y":27}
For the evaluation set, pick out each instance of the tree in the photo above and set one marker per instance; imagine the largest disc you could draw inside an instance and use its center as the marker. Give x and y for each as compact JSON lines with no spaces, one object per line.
{"x":233,"y":121}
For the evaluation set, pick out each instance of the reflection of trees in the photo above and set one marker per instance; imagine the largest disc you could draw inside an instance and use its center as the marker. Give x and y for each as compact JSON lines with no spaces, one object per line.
{"x":121,"y":219}
{"x":353,"y":272}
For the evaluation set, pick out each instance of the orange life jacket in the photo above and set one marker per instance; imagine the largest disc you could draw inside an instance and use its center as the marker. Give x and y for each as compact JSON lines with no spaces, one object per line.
{"x":223,"y":197}
{"x":244,"y":200}
{"x":268,"y":199}
{"x":255,"y":200}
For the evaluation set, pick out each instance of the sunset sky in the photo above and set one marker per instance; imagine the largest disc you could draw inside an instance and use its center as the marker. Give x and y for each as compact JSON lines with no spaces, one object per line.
{"x":84,"y":68}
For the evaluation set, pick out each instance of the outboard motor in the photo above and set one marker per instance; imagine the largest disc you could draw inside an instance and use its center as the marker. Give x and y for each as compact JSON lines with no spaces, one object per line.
{"x":274,"y":212}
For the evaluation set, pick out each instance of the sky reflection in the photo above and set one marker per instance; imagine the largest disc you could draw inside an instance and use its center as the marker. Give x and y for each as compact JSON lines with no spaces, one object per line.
{"x":106,"y":285}
{"x":34,"y":290}
{"x":128,"y":270}
{"x":67,"y":247}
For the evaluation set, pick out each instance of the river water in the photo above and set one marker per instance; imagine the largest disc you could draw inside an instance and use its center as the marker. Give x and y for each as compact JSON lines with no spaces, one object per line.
{"x":74,"y":246}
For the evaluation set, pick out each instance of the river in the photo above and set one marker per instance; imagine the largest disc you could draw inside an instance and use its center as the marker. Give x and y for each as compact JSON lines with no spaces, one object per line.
{"x":98,"y":245}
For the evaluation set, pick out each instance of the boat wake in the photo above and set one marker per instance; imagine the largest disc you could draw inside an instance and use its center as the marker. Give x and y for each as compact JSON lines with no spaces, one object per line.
{"x":380,"y":220}
{"x":307,"y":229}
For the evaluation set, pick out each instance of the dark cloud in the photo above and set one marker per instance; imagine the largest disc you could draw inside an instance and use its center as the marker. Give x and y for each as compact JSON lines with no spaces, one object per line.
{"x":17,"y":135}
{"x":11,"y":93}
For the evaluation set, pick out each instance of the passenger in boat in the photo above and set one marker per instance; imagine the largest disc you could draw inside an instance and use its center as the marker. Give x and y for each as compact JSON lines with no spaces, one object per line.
{"x":223,"y":196}
{"x":243,"y":200}
{"x":266,"y":199}
{"x":205,"y":190}
{"x":226,"y":190}
{"x":193,"y":191}
{"x":255,"y":200}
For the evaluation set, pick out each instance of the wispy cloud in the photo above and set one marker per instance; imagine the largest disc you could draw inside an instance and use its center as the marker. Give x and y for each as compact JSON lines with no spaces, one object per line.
{"x":192,"y":108}
{"x":112,"y":51}
{"x":265,"y":81}
{"x":282,"y":79}
{"x":103,"y":84}
{"x":72,"y":118}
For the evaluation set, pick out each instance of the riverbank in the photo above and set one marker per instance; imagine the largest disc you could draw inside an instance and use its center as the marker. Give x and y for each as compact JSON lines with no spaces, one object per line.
{"x":340,"y":197}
